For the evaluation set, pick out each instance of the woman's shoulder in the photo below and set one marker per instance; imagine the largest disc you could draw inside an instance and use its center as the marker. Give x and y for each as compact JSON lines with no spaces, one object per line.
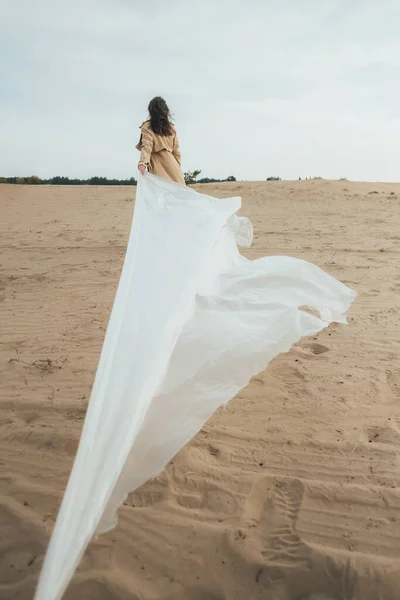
{"x":145,"y":125}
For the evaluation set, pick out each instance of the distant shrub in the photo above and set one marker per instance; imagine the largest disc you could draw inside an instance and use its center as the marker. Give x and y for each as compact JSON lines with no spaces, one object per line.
{"x":33,"y":180}
{"x":191,"y":177}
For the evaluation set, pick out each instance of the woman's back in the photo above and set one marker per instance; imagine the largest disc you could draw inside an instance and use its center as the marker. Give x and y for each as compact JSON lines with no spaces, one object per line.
{"x":160,"y":141}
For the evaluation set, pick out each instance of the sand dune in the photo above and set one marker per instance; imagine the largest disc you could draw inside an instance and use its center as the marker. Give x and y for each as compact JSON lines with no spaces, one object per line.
{"x":292,"y":492}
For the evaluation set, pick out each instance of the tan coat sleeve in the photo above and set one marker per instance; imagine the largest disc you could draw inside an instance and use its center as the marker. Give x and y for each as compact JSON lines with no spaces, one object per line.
{"x":176,"y":150}
{"x":146,"y":147}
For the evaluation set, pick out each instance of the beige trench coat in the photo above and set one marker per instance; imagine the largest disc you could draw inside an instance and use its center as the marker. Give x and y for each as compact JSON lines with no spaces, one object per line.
{"x":160,"y":153}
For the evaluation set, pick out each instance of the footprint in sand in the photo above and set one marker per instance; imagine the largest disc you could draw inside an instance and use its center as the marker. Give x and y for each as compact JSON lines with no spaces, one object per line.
{"x":341,"y":579}
{"x":284,"y":546}
{"x":316,"y":348}
{"x":209,"y":497}
{"x":270,"y":519}
{"x":384,"y":434}
{"x":152,"y":492}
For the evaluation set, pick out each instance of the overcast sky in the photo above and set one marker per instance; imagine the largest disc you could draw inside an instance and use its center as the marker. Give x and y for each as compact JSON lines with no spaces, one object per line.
{"x":293,"y":88}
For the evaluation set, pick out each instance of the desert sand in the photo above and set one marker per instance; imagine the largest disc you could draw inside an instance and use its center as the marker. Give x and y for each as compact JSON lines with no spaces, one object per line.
{"x":292,"y":492}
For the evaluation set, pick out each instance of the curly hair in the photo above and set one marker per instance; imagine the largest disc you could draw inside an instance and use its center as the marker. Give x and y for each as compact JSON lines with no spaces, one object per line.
{"x":160,"y":116}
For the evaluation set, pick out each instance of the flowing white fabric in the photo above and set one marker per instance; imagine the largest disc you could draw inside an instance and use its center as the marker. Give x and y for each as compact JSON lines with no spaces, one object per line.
{"x":192,"y":321}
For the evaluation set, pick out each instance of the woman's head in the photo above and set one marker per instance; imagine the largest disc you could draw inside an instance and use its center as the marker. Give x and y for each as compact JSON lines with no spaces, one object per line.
{"x":160,"y":116}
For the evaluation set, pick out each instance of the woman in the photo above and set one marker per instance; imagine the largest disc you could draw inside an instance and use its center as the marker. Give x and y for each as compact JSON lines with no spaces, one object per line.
{"x":158,"y":145}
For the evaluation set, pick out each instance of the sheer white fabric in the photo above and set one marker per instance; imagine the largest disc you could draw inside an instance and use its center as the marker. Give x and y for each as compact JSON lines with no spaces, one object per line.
{"x":192,"y":322}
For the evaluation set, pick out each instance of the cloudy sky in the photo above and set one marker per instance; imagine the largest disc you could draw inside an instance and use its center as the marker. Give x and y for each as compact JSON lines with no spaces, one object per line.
{"x":293,"y":88}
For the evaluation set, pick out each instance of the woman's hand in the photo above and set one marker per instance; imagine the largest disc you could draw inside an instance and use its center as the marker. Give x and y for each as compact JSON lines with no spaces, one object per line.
{"x":142,"y":169}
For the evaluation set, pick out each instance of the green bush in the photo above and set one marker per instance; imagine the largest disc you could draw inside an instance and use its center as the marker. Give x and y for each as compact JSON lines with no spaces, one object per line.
{"x":191,"y":176}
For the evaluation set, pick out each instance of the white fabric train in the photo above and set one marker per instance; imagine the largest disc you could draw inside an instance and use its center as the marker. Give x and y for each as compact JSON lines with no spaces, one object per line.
{"x":192,"y":322}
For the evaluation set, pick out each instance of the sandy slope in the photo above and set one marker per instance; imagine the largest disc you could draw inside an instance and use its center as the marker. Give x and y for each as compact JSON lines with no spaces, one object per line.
{"x":292,"y":493}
